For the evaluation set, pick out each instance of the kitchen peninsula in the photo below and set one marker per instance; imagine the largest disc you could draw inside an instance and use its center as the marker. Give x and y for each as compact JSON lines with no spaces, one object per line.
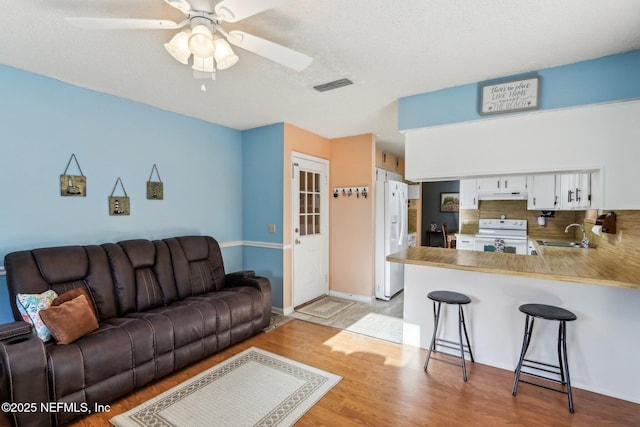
{"x":601,"y":289}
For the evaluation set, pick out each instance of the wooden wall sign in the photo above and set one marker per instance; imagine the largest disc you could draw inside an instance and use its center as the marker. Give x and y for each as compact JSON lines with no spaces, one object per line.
{"x":155,"y":189}
{"x":119,"y":205}
{"x":509,"y":96}
{"x":73,"y":185}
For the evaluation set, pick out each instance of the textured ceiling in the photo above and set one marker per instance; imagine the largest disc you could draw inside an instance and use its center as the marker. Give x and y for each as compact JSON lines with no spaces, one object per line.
{"x":389,"y":48}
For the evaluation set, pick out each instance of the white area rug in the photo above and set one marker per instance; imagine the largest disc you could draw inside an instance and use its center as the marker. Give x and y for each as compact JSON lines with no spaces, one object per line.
{"x":253,"y":388}
{"x":326,"y":307}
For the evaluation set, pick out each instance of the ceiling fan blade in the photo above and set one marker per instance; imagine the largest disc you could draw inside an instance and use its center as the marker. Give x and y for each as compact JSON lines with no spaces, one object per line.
{"x":182,"y":5}
{"x":124,"y":24}
{"x":275,"y":52}
{"x":237,"y":10}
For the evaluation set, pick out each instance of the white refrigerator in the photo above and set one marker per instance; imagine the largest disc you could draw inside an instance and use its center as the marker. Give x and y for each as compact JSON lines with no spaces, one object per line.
{"x":391,"y":236}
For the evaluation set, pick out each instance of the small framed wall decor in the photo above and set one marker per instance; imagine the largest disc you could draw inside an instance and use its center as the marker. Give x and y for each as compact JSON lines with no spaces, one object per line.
{"x":507,"y":96}
{"x":119,"y":205}
{"x":449,"y":202}
{"x":73,"y":185}
{"x":155,"y":190}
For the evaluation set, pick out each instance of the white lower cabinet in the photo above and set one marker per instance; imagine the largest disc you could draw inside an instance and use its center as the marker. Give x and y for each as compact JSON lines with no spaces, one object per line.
{"x":465,"y":243}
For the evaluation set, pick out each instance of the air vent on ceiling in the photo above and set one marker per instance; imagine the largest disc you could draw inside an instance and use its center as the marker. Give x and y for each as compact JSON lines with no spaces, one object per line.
{"x":333,"y":85}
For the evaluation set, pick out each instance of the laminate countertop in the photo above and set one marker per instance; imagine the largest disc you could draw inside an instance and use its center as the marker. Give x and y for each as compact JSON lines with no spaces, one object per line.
{"x":552,"y":263}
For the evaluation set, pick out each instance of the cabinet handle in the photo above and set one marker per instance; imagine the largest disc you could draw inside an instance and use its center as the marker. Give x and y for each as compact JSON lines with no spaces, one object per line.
{"x":506,"y":184}
{"x":555,"y":200}
{"x":534,"y":201}
{"x":498,"y":184}
{"x":570,"y":199}
{"x":577,"y":194}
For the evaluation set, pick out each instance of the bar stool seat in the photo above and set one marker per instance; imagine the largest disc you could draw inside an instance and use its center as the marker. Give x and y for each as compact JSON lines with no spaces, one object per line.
{"x":547,"y":312}
{"x":453,"y":298}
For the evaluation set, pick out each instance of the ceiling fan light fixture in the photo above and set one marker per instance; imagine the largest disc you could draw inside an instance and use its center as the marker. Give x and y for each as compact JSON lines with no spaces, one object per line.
{"x":224,"y":55}
{"x":201,"y":41}
{"x":204,"y":64}
{"x":178,"y":47}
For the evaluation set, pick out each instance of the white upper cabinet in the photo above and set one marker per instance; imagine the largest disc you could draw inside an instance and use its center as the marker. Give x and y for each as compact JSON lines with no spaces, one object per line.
{"x":502,"y":187}
{"x":575,"y":191}
{"x":544,"y":192}
{"x":568,"y":191}
{"x":468,"y":194}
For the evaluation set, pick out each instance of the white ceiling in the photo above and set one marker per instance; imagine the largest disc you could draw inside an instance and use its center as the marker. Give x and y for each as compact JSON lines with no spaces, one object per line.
{"x":389,"y":48}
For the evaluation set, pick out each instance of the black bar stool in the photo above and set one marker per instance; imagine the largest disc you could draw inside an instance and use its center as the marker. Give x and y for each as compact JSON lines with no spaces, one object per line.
{"x":548,"y":312}
{"x":449,"y":297}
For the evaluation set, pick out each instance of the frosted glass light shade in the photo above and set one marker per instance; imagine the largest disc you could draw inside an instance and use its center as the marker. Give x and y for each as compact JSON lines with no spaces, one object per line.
{"x":225,"y":58}
{"x":201,"y":41}
{"x":178,"y":47}
{"x":203,"y":63}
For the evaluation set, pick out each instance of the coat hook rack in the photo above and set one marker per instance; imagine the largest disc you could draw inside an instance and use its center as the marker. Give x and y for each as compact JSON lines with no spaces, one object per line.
{"x":351,"y":192}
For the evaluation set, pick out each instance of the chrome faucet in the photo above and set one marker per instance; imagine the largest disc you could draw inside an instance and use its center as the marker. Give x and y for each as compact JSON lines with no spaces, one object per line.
{"x":585,"y":241}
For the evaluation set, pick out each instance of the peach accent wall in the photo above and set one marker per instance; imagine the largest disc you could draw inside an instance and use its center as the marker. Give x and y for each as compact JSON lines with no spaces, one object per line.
{"x":351,"y":221}
{"x":301,"y":141}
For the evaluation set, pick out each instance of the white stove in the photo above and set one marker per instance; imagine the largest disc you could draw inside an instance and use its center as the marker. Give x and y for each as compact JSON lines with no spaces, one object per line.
{"x":502,"y":235}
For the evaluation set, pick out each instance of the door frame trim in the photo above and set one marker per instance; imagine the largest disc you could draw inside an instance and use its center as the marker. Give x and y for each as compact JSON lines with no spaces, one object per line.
{"x":326,"y":199}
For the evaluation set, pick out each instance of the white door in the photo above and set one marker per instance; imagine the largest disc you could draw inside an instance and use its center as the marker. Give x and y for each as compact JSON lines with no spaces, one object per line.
{"x":310,"y":234}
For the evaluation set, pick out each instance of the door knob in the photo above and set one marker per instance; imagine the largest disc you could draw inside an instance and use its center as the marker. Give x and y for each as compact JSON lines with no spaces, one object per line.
{"x":297,"y":242}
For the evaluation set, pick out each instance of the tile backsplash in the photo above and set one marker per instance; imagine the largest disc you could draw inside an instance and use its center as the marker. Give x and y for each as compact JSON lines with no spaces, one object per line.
{"x":626,"y":241}
{"x":516,"y":209}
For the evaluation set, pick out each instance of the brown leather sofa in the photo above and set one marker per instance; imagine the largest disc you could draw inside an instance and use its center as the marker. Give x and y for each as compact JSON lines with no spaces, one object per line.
{"x":161,"y":305}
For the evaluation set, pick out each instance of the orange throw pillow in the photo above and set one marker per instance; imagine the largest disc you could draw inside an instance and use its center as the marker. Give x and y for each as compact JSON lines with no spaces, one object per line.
{"x":69,"y":295}
{"x":70,"y":320}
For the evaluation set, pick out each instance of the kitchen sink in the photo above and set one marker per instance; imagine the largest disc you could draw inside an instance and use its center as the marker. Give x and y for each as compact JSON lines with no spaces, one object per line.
{"x":560,"y":244}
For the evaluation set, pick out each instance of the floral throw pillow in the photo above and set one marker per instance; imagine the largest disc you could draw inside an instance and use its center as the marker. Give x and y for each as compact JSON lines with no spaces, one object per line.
{"x":30,"y":306}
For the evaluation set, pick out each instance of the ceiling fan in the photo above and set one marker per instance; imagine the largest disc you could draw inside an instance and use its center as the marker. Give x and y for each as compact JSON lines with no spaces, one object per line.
{"x":204,"y":37}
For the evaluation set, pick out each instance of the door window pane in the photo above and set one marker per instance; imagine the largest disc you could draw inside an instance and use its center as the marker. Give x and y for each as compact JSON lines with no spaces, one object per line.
{"x":303,"y":225}
{"x":309,"y":196}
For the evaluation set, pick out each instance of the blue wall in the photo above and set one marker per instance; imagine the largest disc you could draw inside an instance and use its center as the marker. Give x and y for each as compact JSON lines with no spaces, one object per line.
{"x":611,"y":78}
{"x":44,"y":121}
{"x":263,"y":203}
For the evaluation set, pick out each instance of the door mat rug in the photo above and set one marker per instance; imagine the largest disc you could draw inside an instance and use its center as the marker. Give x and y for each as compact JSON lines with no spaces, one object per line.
{"x":325,"y":307}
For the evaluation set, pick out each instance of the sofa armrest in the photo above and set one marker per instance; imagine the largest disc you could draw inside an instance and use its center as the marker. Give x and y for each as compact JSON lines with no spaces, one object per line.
{"x":241,"y":274}
{"x":258,"y":282}
{"x":24,"y":376}
{"x":262,"y":284}
{"x":14,"y":329}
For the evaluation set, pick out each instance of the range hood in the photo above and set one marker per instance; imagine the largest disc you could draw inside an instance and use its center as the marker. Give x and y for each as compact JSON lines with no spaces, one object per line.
{"x":497,"y":195}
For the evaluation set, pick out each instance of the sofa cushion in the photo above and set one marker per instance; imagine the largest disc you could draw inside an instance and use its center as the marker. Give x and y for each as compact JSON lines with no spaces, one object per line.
{"x":197,"y":263}
{"x":70,"y":320}
{"x":62,"y":264}
{"x":142,"y":273}
{"x":30,"y":306}
{"x":39,"y":270}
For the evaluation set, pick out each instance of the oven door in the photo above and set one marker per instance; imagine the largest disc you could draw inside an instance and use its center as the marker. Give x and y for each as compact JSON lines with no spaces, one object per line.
{"x":509,"y":246}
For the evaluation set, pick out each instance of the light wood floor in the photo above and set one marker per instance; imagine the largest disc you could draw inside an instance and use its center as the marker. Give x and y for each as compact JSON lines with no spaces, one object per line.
{"x":384,"y":385}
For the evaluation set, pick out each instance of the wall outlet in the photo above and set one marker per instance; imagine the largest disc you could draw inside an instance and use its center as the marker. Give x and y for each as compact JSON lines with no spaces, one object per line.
{"x":271,"y":228}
